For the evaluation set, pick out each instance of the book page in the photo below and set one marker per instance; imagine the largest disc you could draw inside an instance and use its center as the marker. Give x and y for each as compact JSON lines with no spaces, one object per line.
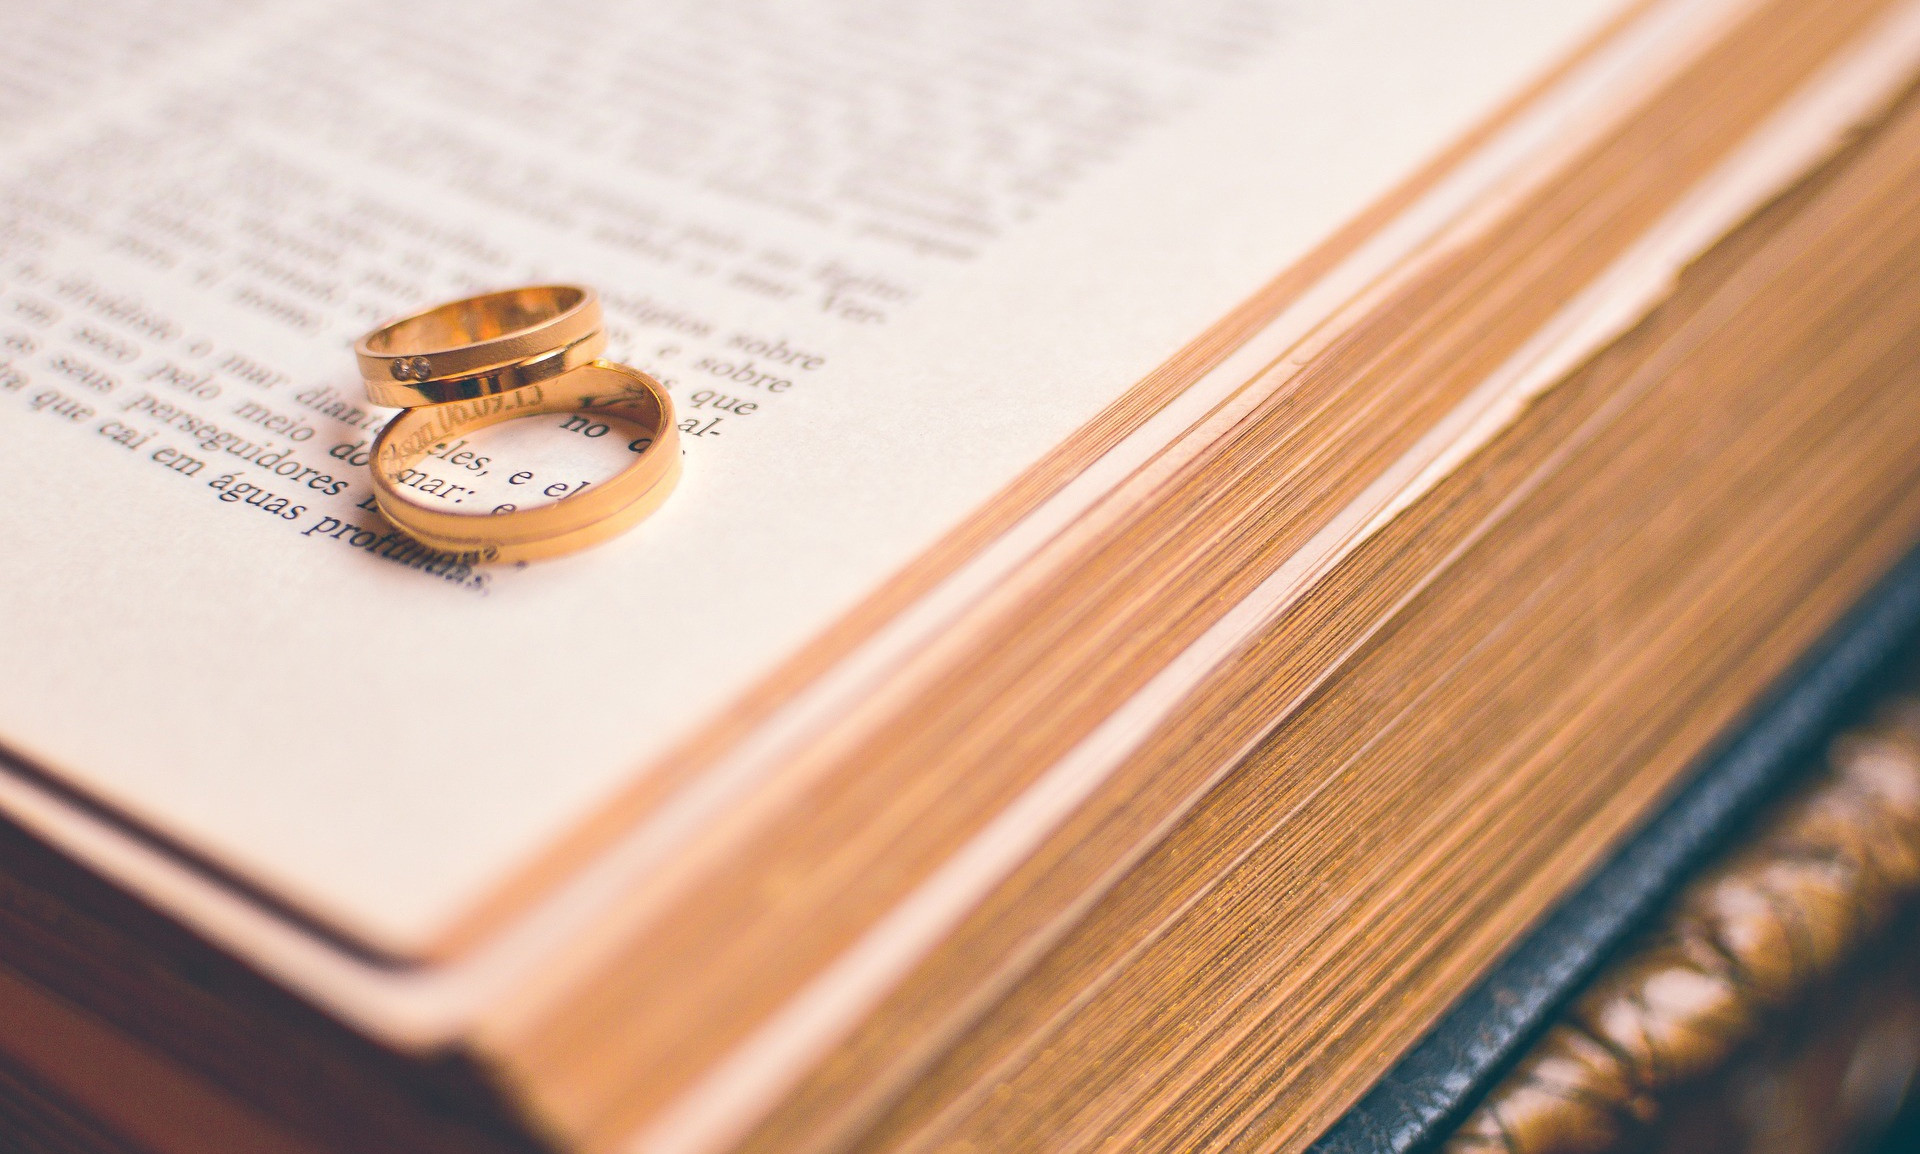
{"x":882,"y":256}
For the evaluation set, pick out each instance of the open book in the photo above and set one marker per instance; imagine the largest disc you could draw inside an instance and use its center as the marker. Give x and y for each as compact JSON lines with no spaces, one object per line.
{"x":1088,"y":411}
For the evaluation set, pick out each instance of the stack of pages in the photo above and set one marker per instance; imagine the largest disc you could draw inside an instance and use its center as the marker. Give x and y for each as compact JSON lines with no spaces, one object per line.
{"x":1201,"y":520}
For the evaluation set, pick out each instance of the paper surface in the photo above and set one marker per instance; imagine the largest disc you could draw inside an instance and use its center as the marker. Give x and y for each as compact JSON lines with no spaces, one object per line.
{"x":884,"y":257}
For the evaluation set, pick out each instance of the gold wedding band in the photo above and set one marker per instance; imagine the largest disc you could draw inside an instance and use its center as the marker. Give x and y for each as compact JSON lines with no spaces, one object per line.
{"x":582,"y":518}
{"x":482,"y":345}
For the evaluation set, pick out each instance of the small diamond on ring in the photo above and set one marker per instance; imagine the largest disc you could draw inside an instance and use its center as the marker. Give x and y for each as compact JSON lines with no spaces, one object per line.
{"x":410,"y":369}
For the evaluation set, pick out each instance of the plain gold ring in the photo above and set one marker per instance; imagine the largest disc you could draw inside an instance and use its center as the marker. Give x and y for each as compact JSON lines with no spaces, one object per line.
{"x":581,"y":518}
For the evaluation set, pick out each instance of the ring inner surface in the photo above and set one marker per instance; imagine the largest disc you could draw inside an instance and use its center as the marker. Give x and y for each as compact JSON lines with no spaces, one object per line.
{"x":642,"y":412}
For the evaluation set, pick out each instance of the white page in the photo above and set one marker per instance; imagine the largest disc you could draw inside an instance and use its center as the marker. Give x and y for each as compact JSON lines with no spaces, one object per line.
{"x":941,"y":236}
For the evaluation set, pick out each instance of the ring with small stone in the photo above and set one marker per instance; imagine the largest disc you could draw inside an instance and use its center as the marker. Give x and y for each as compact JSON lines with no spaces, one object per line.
{"x":481,"y":345}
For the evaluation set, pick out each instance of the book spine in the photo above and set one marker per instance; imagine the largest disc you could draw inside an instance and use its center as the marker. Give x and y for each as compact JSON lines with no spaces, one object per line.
{"x":1751,"y":938}
{"x":1436,"y":1084}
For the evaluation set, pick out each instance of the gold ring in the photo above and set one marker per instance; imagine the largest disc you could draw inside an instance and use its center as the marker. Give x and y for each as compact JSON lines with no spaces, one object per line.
{"x":481,"y":345}
{"x":584,"y":517}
